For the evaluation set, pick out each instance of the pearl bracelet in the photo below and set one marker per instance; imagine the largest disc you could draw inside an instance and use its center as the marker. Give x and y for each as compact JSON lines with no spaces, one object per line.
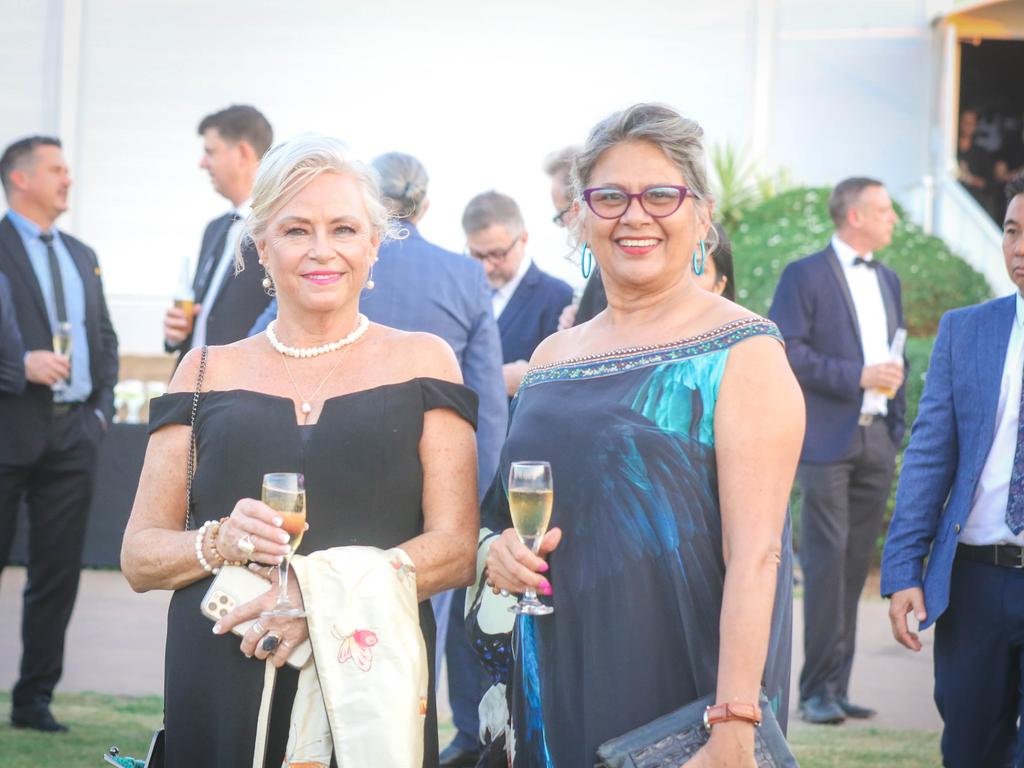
{"x":200,"y":534}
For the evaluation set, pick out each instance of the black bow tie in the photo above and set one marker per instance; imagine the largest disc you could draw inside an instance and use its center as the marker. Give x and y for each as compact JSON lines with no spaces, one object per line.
{"x":869,"y":263}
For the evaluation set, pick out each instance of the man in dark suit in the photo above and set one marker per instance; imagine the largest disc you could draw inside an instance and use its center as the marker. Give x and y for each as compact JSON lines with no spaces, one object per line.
{"x":527,"y":302}
{"x":53,"y":427}
{"x":227,"y":303}
{"x":838,"y":310}
{"x":955,"y":547}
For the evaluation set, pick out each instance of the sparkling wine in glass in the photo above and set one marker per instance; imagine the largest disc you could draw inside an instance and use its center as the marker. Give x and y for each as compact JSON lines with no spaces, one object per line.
{"x":62,"y":348}
{"x":285,"y":493}
{"x":530,"y":496}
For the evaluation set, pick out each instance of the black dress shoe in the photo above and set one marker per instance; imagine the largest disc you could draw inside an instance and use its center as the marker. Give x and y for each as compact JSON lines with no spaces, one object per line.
{"x":37,"y":718}
{"x":822,"y":710}
{"x":455,"y":757}
{"x":854,"y":710}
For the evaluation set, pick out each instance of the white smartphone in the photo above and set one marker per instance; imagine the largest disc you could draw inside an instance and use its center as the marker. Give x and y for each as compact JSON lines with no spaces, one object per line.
{"x":235,"y":585}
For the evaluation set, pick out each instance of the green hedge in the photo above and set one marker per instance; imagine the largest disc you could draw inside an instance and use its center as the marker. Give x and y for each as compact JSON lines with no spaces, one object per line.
{"x":796,"y":223}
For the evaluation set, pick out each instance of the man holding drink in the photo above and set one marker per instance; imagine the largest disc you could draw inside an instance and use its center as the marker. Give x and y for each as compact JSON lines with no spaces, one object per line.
{"x":841,"y":314}
{"x":219,"y":306}
{"x":54,"y":419}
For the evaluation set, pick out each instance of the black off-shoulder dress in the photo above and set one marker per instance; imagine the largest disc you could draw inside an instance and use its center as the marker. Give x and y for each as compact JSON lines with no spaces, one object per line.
{"x":364,"y":486}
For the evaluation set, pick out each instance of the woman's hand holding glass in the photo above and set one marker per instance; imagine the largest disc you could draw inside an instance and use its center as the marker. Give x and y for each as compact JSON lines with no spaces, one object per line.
{"x":513,"y":567}
{"x":289,"y":631}
{"x":253,"y":532}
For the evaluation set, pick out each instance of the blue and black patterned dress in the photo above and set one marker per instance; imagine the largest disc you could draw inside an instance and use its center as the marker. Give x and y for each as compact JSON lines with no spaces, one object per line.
{"x":638,"y":576}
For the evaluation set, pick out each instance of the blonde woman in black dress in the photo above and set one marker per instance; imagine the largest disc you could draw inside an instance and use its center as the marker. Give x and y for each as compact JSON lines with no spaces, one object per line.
{"x":376,"y":419}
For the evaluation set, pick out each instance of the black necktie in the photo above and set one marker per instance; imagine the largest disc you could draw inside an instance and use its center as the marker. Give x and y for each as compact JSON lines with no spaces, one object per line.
{"x":869,"y":263}
{"x":55,"y":278}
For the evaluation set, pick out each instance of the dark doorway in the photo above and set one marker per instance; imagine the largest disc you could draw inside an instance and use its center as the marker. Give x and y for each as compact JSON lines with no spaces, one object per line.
{"x":991,"y":130}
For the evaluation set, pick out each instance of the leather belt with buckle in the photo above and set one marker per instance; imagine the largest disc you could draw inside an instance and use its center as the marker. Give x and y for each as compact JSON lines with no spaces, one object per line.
{"x":867,"y":419}
{"x":63,"y":409}
{"x":1003,"y":555}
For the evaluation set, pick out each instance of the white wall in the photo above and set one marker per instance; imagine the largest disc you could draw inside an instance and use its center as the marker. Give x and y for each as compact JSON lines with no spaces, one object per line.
{"x":480,"y":92}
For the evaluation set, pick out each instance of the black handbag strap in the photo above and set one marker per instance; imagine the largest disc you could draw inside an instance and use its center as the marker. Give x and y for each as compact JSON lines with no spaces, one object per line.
{"x":192,"y":439}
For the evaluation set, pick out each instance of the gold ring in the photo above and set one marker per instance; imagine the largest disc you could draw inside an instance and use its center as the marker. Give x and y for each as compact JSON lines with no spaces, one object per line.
{"x":245,"y":544}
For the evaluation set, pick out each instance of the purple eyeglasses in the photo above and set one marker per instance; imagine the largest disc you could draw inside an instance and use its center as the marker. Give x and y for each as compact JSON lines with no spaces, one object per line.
{"x":659,"y":201}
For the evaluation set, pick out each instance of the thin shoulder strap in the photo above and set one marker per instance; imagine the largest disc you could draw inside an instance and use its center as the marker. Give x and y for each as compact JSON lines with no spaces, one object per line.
{"x":192,"y":439}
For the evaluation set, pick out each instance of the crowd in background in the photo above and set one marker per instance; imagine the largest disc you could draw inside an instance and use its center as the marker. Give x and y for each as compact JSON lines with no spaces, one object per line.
{"x":673,"y":419}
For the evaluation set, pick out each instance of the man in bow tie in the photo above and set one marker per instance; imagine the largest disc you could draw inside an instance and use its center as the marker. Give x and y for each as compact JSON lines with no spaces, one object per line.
{"x":838,"y":310}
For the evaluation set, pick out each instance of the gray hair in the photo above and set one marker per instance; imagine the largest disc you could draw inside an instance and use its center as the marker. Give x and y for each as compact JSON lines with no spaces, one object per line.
{"x":490,"y":208}
{"x":846,"y":195}
{"x":560,"y":161}
{"x":288,"y":167}
{"x":403,"y":182}
{"x":680,"y":138}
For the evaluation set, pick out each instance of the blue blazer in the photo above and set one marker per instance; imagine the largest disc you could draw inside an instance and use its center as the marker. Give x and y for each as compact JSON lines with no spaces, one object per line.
{"x":531,"y":315}
{"x":949,"y":444}
{"x":814,"y":310}
{"x":421,"y":287}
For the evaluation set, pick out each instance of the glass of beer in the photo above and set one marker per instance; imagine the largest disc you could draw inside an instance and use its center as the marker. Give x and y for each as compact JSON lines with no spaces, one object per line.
{"x":530,"y":496}
{"x":896,"y":348}
{"x":285,"y":493}
{"x":187,"y":306}
{"x":62,"y":348}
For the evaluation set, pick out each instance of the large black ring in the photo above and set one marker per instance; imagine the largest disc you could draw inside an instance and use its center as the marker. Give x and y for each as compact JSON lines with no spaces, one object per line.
{"x":270,"y":642}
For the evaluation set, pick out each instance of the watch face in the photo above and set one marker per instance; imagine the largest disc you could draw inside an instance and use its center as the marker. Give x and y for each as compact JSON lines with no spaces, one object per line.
{"x":707,"y":725}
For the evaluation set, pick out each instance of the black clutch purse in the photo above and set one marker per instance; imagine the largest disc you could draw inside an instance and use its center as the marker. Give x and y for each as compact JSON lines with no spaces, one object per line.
{"x":672,"y":739}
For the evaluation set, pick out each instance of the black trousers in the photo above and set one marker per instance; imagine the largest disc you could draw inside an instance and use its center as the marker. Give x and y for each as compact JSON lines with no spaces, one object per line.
{"x":840,"y":520}
{"x":57,"y":485}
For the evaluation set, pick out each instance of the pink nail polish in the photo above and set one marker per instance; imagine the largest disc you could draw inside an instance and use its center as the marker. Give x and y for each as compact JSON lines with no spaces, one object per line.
{"x":546,"y":590}
{"x":543,"y":568}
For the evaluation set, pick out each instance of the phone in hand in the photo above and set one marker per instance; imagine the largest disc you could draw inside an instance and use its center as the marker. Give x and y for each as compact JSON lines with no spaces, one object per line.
{"x":235,"y":585}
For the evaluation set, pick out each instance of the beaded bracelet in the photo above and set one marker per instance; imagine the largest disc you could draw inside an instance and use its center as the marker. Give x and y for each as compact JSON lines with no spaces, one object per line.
{"x":199,"y":547}
{"x":213,"y":545}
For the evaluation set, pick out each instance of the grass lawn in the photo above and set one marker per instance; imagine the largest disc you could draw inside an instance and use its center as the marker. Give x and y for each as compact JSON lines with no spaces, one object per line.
{"x":97,"y":721}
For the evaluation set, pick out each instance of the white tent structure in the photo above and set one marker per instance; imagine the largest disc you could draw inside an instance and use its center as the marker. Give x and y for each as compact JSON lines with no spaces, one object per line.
{"x":481,"y":92}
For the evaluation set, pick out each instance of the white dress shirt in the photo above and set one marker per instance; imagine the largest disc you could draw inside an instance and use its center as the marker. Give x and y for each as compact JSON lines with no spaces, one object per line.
{"x":220,"y":273}
{"x":986,"y":524}
{"x":500,"y":297}
{"x":874,"y":326}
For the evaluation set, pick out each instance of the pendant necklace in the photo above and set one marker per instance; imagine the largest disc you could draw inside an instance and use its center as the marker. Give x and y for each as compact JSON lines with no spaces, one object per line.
{"x":306,"y":406}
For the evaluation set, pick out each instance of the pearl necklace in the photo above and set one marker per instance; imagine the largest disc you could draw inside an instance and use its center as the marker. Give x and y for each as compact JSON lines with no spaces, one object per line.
{"x":361,"y":327}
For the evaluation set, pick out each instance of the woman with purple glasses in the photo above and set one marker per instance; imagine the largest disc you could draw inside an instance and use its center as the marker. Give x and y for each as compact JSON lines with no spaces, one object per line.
{"x":673,"y":425}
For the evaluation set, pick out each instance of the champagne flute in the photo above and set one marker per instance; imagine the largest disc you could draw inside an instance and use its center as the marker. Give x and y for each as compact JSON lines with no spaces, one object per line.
{"x":530,"y":497}
{"x":62,"y":348}
{"x":284,"y":492}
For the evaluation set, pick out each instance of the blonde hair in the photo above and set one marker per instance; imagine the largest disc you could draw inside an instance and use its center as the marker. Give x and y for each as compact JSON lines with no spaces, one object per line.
{"x":289,"y":166}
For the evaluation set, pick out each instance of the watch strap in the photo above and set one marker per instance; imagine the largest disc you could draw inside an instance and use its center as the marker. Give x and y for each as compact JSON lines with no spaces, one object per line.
{"x":732,"y":710}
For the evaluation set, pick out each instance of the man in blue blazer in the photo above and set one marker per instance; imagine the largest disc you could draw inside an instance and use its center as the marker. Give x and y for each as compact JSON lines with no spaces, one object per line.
{"x":955,"y":550}
{"x":421,"y":287}
{"x":527,"y":302}
{"x":838,"y":310}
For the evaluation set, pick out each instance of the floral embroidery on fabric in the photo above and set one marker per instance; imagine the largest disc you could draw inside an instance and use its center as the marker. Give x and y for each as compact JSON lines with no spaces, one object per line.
{"x":405,"y":572}
{"x":356,"y":646}
{"x":639,"y":357}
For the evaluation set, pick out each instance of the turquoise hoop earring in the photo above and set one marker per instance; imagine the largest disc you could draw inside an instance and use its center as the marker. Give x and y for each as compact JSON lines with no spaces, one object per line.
{"x":586,"y":260}
{"x":698,"y":269}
